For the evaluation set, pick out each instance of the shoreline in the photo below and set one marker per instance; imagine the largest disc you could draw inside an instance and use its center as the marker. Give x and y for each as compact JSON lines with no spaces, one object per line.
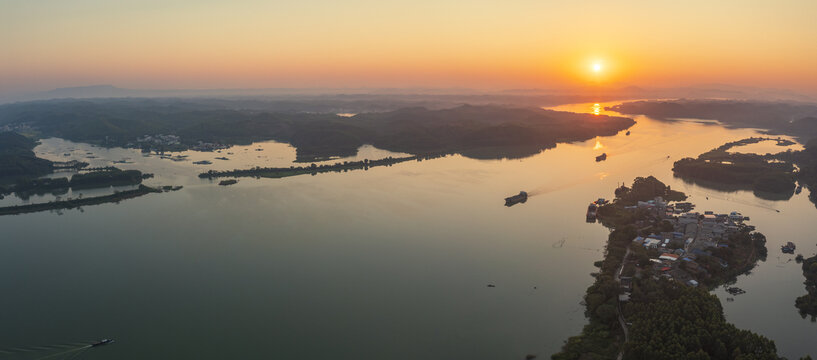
{"x":75,"y":203}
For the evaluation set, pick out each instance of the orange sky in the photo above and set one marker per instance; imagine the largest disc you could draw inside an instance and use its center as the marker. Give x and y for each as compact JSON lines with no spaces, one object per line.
{"x":442,"y":43}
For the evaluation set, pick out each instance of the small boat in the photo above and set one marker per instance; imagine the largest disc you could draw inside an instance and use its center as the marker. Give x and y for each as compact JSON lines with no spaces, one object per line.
{"x":203,"y":162}
{"x":102,"y":342}
{"x":788,"y":248}
{"x":735,"y":216}
{"x":628,"y":133}
{"x":519,"y":198}
{"x":601,"y":157}
{"x":228,"y":182}
{"x":799,"y":189}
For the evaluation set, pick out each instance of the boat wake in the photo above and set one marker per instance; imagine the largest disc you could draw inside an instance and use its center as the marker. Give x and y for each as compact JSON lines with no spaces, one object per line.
{"x":66,"y":351}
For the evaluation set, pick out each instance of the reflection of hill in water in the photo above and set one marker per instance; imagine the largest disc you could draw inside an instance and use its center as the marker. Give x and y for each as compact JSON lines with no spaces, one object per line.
{"x":507,"y":152}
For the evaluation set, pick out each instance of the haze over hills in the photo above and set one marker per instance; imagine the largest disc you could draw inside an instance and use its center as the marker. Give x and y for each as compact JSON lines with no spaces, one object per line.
{"x":527,"y":97}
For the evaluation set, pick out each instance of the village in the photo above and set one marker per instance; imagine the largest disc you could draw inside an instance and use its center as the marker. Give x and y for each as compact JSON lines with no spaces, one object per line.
{"x":162,"y":142}
{"x":693,"y":248}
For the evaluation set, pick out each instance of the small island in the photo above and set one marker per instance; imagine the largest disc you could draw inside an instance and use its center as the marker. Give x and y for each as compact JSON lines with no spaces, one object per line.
{"x":767,"y":175}
{"x":314,"y":169}
{"x":79,"y":202}
{"x":770,"y":176}
{"x":660,"y":261}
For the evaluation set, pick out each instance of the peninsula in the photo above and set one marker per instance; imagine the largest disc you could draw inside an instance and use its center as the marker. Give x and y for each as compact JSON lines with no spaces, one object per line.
{"x":660,"y":260}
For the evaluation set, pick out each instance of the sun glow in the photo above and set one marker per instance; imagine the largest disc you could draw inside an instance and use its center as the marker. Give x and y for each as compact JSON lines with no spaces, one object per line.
{"x":597,"y":67}
{"x":598,"y":145}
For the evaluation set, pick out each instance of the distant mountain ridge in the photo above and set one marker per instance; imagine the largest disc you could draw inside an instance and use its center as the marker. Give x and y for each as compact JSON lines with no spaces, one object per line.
{"x":517,"y":96}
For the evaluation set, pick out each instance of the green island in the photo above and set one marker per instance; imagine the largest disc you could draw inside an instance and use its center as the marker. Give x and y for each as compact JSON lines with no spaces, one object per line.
{"x":650,"y":298}
{"x":795,"y":119}
{"x":90,"y":180}
{"x":481,"y":131}
{"x":75,"y":203}
{"x":314,"y":169}
{"x":807,"y":304}
{"x":764,"y":174}
{"x":770,"y":176}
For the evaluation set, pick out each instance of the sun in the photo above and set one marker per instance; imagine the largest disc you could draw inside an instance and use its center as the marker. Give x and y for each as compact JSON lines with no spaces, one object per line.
{"x":597,"y":67}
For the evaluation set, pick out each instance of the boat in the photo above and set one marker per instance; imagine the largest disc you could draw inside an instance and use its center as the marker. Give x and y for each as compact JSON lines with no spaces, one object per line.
{"x":102,"y":342}
{"x":592,"y":212}
{"x":798,"y":189}
{"x":228,"y":182}
{"x":735,"y":216}
{"x":203,"y":162}
{"x":788,"y":248}
{"x":628,"y":133}
{"x":601,"y":157}
{"x":516,"y":199}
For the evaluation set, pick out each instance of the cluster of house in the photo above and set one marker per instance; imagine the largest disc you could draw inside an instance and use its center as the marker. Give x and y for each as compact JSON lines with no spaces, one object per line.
{"x":208,"y":146}
{"x":19,"y":127}
{"x":693,"y":235}
{"x":159,"y":139}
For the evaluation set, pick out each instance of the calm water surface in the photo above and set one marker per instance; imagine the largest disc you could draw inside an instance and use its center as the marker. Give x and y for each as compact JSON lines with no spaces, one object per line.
{"x":388,"y":263}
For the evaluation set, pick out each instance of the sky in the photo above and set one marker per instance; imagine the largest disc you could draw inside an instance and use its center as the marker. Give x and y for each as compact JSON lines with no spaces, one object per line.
{"x":197,"y":44}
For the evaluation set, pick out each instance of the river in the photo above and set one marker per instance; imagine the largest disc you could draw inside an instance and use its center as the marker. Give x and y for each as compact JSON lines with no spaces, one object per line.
{"x":389,"y":263}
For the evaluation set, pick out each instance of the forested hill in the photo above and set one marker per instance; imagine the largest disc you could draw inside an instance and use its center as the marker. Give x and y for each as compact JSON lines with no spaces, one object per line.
{"x":795,"y":119}
{"x":475,"y":131}
{"x":18,"y":159}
